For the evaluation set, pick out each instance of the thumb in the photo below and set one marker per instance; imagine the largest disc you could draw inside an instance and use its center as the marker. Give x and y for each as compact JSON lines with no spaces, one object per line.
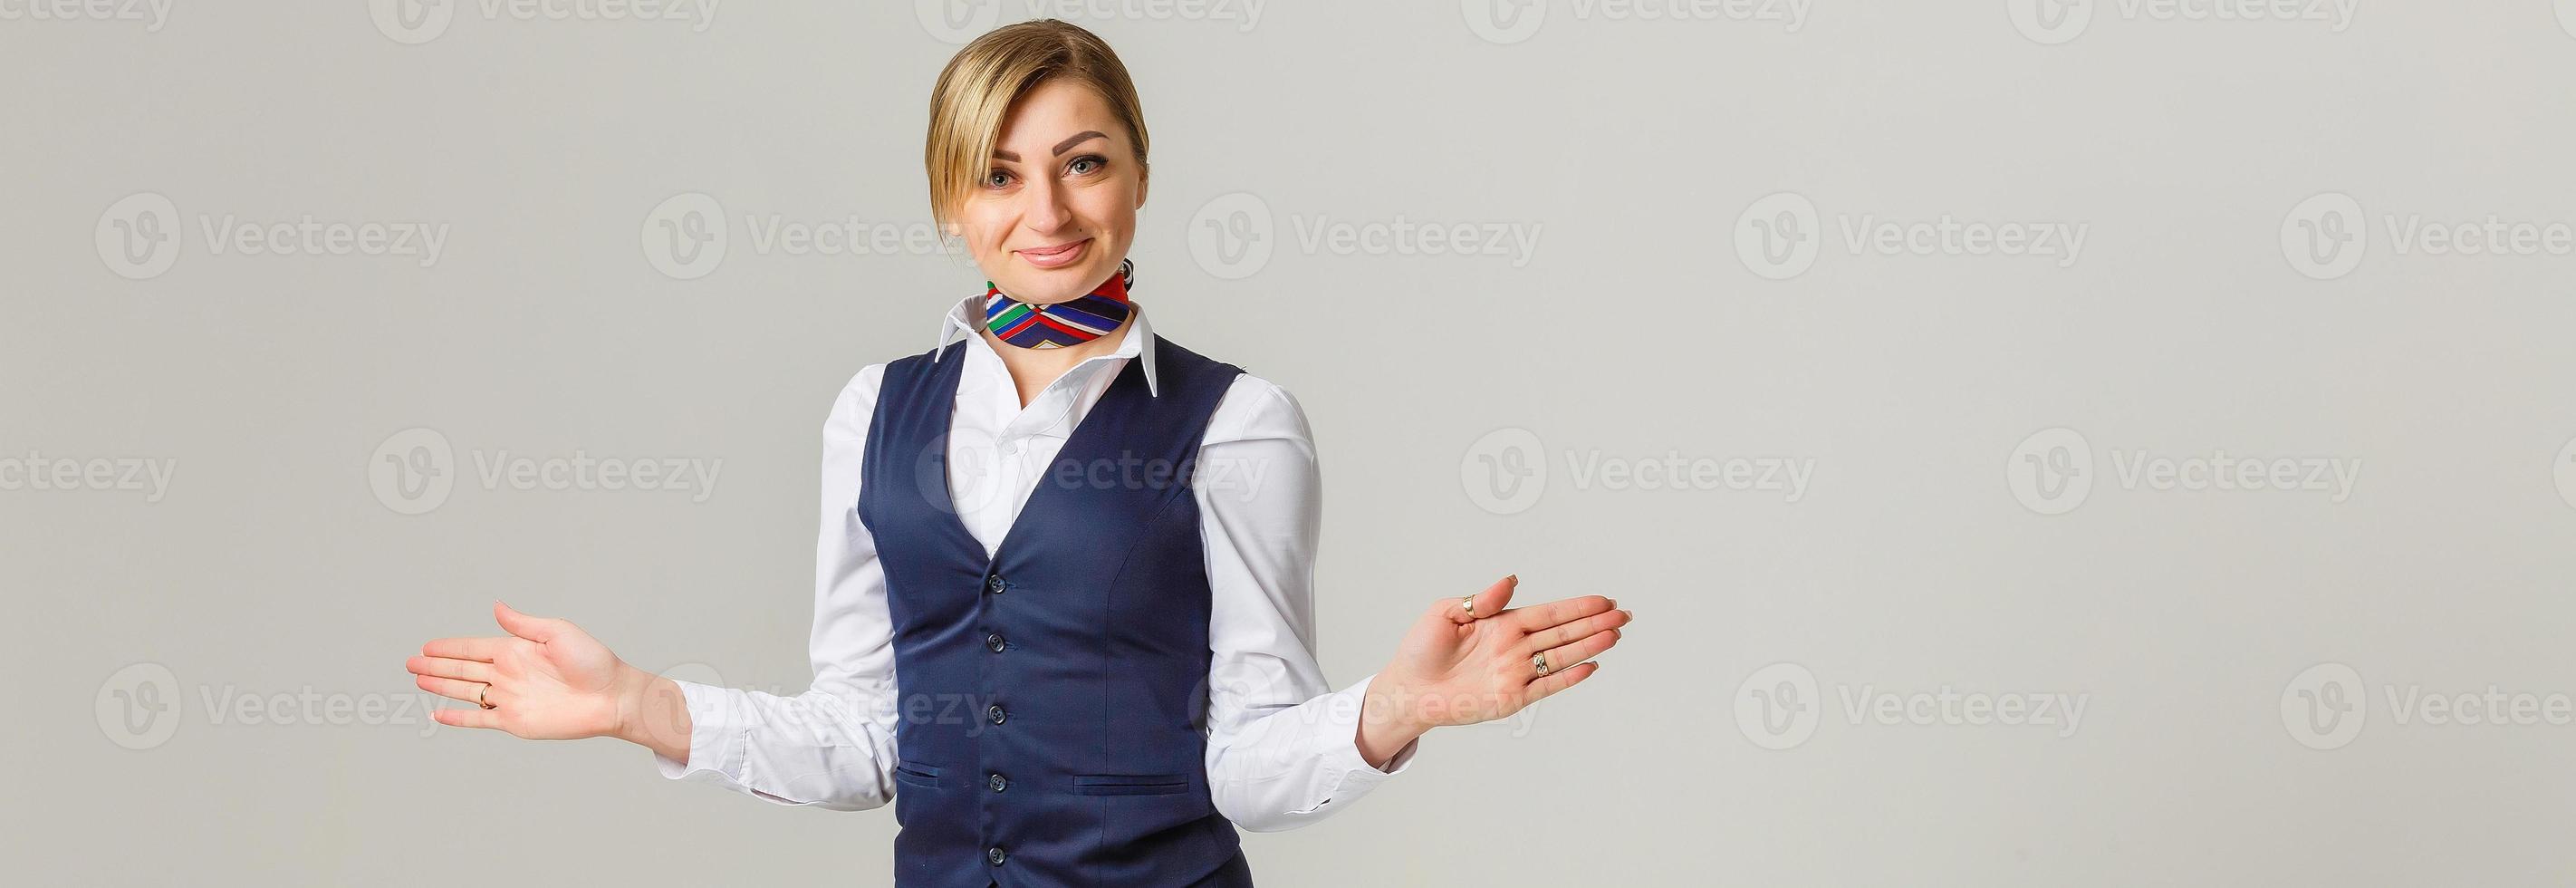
{"x":536,"y":629}
{"x":1488,"y":602}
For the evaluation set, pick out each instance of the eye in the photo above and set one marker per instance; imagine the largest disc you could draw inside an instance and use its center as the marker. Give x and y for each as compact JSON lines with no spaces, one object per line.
{"x":997,"y":178}
{"x":1085,"y":165}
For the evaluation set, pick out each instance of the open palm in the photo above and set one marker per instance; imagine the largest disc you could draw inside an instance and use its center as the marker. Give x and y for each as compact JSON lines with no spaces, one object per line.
{"x":1454,"y":668}
{"x":546,"y":680}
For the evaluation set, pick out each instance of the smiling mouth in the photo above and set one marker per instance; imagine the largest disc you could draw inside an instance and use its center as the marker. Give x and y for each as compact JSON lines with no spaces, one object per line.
{"x":1055,"y":256}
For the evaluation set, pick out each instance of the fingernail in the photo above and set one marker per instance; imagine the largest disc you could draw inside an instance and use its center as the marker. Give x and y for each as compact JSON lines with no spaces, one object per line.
{"x":1631,"y":614}
{"x":1515,"y":579}
{"x":1614,"y":602}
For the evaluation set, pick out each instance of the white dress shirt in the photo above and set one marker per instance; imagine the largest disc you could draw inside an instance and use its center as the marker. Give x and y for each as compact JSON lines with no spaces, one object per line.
{"x":1281,"y":751}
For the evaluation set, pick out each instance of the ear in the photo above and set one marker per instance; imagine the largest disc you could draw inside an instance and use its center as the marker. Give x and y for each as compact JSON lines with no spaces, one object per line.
{"x":1144,"y":177}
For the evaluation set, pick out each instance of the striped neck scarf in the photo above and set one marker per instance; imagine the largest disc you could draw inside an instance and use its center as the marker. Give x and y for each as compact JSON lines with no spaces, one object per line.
{"x":1082,"y":319}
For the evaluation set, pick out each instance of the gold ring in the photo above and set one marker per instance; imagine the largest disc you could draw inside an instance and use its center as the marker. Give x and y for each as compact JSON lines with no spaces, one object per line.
{"x":478,"y":698}
{"x":1468,"y":602}
{"x":1539,"y":660}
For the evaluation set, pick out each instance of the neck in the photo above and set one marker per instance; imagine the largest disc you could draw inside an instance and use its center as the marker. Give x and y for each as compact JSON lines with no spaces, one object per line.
{"x":1033,"y":369}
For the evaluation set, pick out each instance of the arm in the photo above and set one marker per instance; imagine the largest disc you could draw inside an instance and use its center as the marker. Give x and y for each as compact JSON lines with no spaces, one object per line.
{"x":832,"y":746}
{"x":1282,"y":752}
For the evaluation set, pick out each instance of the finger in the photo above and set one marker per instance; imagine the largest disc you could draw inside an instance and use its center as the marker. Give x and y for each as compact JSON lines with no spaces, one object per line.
{"x":536,"y":629}
{"x":1559,"y":680}
{"x":1540,"y":616}
{"x":1564,"y":633}
{"x":466,"y":718}
{"x":484,"y":648}
{"x":1568,"y":656}
{"x":469,"y":670}
{"x":1488,"y":602}
{"x":451,"y":688}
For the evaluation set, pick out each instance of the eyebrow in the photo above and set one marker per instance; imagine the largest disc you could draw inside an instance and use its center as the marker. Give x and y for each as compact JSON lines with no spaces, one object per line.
{"x":1060,"y":147}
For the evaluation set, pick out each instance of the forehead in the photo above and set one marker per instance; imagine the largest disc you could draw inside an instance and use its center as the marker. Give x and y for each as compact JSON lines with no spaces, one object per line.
{"x":1057,"y":108}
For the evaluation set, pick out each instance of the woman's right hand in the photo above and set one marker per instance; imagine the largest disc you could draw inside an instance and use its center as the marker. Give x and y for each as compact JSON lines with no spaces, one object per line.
{"x":548,"y":679}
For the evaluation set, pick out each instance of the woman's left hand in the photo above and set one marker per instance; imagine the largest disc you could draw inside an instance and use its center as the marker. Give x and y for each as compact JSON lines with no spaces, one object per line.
{"x":1458,"y":669}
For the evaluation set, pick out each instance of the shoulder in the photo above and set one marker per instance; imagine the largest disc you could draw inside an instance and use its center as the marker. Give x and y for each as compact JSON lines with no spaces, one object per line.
{"x":856,"y":404}
{"x":1255,"y":409}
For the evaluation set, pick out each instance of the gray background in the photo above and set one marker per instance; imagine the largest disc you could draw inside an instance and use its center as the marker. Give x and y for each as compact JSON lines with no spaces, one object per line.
{"x":1917,"y":558}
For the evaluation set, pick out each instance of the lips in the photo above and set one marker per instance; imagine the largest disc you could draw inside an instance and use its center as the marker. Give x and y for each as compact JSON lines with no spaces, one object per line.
{"x":1056,"y":256}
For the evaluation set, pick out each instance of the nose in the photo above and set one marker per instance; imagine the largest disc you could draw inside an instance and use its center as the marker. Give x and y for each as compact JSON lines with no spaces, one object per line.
{"x":1047,"y":212}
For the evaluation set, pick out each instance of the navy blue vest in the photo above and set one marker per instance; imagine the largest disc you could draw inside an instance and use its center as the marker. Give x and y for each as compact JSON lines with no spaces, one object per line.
{"x":1053,"y":694}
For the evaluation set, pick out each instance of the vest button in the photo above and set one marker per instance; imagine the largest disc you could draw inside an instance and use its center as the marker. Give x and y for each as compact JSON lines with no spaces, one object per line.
{"x":994,"y":641}
{"x":994,"y":584}
{"x":994,"y":712}
{"x":995,"y":855}
{"x":997,"y":783}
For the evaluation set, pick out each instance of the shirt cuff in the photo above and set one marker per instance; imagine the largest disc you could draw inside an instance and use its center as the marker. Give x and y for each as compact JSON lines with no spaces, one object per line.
{"x":1347,"y":775}
{"x":711,"y":754}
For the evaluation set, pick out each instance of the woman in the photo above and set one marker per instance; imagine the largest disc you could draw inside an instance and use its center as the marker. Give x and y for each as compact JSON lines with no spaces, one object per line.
{"x":1057,"y":621}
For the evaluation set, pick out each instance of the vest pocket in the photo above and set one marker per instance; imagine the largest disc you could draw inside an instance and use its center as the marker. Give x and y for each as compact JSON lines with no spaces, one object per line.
{"x":916,"y":773}
{"x":1130,"y":784}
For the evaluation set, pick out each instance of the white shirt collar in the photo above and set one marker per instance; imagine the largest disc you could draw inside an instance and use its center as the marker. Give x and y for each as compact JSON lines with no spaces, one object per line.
{"x":965,"y":320}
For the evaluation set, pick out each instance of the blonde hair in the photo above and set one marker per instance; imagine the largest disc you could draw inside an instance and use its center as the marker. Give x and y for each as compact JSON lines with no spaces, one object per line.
{"x":977,"y":88}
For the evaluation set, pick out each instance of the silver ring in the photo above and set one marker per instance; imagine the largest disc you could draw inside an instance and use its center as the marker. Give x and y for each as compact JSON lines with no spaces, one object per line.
{"x":1539,"y":660}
